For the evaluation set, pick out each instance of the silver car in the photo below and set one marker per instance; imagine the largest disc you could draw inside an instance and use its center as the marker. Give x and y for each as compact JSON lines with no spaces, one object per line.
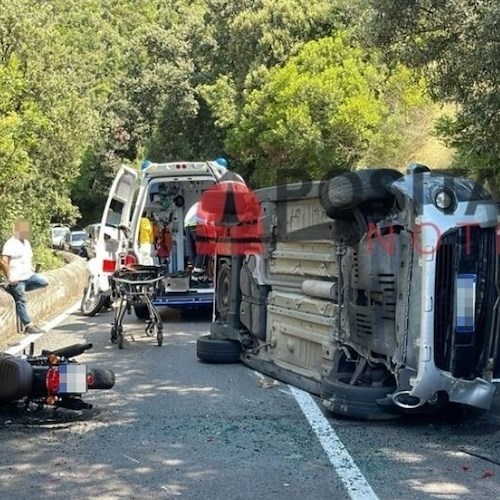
{"x":375,"y":290}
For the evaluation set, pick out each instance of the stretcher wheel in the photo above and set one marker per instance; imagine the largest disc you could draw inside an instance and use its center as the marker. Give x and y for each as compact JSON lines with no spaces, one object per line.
{"x":120,"y":341}
{"x":150,"y":329}
{"x":114,"y":335}
{"x":159,"y":336}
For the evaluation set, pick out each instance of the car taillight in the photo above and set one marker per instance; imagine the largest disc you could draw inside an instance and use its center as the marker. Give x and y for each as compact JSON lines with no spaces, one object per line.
{"x":52,"y":380}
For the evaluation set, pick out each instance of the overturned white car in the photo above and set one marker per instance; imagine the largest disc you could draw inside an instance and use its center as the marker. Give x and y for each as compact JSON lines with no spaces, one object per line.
{"x":376,"y":290}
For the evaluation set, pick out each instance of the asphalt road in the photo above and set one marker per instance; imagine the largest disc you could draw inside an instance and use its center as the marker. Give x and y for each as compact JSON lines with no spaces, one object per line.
{"x":174,"y":426}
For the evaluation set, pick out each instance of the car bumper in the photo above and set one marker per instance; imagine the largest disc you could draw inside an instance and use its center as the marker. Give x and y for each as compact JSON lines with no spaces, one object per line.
{"x":431,"y":380}
{"x":185,"y":300}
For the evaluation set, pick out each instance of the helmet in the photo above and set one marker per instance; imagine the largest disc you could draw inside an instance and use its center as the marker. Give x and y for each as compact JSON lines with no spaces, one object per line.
{"x":222,"y":162}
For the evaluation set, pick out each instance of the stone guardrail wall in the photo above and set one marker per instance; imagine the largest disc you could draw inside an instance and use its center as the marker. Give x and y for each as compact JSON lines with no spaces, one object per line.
{"x":65,"y":288}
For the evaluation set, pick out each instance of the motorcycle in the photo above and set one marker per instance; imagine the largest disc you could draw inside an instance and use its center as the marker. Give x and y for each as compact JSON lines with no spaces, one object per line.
{"x":100,"y":291}
{"x":52,"y":378}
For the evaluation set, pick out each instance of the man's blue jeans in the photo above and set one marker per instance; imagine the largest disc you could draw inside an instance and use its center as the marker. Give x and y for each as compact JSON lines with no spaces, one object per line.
{"x":19,"y":290}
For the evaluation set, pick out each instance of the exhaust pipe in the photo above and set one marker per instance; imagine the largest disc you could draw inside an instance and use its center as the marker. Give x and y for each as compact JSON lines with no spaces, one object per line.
{"x":403,"y":399}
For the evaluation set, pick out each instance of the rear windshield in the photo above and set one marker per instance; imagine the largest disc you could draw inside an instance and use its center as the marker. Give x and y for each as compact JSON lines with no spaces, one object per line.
{"x":59,"y":232}
{"x":78,"y":237}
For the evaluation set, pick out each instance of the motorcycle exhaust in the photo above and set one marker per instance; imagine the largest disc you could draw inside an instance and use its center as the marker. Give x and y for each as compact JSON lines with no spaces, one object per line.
{"x":404,"y":400}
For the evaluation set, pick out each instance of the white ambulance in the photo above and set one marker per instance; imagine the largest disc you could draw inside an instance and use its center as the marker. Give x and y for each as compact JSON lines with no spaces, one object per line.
{"x":142,"y":206}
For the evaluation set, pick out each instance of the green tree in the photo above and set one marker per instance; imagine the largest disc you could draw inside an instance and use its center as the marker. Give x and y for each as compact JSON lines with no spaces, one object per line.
{"x":455,"y":43}
{"x":252,"y":37}
{"x":53,"y":59}
{"x":323,"y":110}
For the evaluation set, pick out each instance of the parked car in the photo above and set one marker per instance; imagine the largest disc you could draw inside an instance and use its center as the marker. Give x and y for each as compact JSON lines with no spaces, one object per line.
{"x":91,"y":234}
{"x":58,"y":232}
{"x":74,"y":241}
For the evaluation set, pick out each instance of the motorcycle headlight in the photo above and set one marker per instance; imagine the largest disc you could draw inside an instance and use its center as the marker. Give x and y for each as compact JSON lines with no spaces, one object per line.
{"x":444,"y":200}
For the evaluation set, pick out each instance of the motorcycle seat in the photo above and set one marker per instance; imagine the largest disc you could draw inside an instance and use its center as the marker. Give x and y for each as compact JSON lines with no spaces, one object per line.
{"x":16,"y":378}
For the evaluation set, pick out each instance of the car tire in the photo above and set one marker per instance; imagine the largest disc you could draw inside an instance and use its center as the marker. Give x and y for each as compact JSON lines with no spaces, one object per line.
{"x":223,"y":290}
{"x":223,"y":351}
{"x":355,"y":401}
{"x":141,"y":312}
{"x":342,"y":194}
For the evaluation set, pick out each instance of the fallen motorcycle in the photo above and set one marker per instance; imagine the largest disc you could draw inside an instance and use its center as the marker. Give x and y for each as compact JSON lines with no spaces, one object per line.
{"x":51,"y":379}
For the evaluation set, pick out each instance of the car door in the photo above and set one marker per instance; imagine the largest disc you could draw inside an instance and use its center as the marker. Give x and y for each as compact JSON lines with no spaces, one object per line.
{"x":111,"y":239}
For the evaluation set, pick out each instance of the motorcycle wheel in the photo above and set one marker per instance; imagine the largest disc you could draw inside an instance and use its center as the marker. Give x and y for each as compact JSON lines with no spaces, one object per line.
{"x":92,"y":301}
{"x":102,"y":379}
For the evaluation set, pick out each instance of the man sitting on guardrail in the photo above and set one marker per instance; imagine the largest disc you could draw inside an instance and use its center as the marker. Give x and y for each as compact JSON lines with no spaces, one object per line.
{"x":17,"y":266}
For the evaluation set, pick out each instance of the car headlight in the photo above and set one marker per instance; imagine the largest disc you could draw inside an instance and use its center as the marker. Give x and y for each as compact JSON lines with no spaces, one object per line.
{"x":444,"y":200}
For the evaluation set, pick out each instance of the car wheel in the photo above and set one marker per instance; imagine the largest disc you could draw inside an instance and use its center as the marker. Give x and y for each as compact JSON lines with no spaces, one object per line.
{"x":355,"y":401}
{"x":212,"y":350}
{"x":223,"y":290}
{"x":347,"y":191}
{"x":141,"y":312}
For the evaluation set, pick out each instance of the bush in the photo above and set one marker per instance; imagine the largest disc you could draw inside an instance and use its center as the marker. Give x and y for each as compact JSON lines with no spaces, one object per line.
{"x":47,"y":259}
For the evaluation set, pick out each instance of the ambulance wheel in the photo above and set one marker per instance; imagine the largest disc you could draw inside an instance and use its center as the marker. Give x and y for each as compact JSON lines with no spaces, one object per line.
{"x":141,"y":312}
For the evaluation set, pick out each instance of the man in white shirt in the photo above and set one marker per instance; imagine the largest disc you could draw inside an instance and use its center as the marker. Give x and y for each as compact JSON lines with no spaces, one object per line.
{"x":16,"y":264}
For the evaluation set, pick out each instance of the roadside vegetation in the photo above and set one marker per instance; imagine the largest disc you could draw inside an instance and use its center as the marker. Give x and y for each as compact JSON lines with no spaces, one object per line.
{"x":281,"y":88}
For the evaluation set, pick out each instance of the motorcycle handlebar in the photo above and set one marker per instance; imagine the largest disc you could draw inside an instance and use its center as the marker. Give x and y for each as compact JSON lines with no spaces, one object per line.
{"x":69,"y":351}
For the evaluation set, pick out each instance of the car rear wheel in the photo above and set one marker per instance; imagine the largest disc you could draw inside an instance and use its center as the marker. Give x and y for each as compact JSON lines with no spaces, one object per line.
{"x":342,"y":194}
{"x":212,"y":350}
{"x":223,"y":290}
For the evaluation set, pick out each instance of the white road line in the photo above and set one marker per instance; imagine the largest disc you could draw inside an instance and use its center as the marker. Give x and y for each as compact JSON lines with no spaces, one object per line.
{"x":357,"y":486}
{"x":26,"y":341}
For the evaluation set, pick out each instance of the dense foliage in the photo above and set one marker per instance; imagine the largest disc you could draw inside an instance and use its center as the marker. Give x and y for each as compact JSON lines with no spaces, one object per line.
{"x":280,"y":87}
{"x":456,"y":44}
